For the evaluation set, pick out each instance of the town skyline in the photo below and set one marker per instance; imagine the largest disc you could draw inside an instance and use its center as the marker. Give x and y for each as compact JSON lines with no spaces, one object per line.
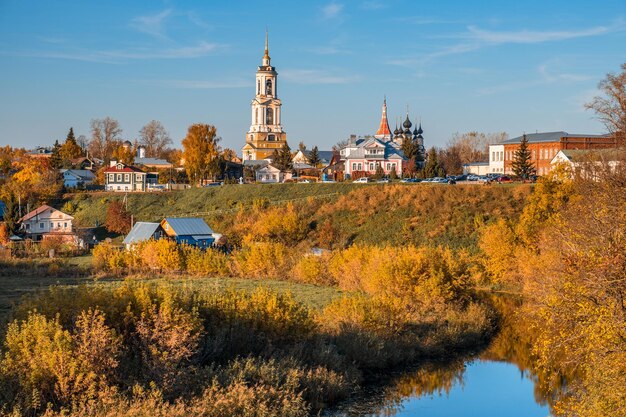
{"x":457,"y":67}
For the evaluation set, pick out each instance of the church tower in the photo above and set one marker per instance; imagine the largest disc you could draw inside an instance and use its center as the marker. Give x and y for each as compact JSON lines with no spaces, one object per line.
{"x":383,"y":131}
{"x":266,"y":130}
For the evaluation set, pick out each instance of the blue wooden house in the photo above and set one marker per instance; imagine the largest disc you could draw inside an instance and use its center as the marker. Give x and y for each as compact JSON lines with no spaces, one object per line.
{"x":190,"y":230}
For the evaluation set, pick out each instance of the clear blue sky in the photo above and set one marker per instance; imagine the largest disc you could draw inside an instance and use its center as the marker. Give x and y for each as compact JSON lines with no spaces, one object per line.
{"x":459,"y":65}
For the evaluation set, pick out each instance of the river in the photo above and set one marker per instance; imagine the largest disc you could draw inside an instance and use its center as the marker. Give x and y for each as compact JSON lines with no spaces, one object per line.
{"x":495,"y":383}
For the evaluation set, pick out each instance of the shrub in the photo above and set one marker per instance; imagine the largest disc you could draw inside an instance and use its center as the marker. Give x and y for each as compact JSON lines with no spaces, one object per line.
{"x":263,"y":260}
{"x":208,"y":262}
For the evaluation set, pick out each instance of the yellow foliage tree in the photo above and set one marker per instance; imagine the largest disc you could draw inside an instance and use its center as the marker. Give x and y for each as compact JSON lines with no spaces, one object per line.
{"x":199,"y":150}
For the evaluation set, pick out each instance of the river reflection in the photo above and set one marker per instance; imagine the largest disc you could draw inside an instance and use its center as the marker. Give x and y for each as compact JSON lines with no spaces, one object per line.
{"x":498,"y":382}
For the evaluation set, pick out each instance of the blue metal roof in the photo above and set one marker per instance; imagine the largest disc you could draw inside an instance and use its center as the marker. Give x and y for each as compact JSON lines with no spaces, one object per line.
{"x":549,"y":137}
{"x":189,"y":226}
{"x":141,"y":231}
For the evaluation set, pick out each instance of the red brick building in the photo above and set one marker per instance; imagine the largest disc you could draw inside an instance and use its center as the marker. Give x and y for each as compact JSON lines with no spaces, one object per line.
{"x":544,"y":146}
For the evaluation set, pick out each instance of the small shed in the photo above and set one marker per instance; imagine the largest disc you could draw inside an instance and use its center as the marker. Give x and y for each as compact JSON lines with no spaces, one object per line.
{"x":142,"y":231}
{"x":189,"y":230}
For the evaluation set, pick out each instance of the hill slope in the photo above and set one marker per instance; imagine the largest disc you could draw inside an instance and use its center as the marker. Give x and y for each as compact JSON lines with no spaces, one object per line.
{"x":335,"y":214}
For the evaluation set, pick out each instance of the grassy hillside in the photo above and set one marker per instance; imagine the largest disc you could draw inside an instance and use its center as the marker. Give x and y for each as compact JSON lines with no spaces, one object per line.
{"x":335,"y":214}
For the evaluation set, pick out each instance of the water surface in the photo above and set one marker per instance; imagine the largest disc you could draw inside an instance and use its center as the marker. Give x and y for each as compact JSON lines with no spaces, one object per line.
{"x":484,"y":389}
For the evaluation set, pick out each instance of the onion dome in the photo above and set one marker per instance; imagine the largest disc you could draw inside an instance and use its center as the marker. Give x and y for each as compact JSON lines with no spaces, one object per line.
{"x":407,"y":124}
{"x":419,"y":130}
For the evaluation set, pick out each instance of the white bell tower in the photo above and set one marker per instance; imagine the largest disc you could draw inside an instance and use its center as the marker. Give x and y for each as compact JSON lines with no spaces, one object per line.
{"x":266,"y":131}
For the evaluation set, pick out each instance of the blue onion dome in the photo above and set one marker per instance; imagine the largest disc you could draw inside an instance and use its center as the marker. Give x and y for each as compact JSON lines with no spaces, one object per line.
{"x":407,"y":123}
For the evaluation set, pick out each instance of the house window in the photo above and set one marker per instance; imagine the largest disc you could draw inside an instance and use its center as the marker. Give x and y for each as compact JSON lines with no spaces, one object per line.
{"x":65,"y":225}
{"x":353,"y":166}
{"x":41,"y":225}
{"x":111,"y":177}
{"x":119,"y":177}
{"x":388,"y":166}
{"x":371,"y":166}
{"x":273,"y":176}
{"x":360,"y":168}
{"x":27,"y":226}
{"x":126,"y":177}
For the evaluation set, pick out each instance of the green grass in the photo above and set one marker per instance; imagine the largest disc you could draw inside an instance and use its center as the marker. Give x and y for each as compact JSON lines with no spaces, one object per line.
{"x":12,"y":289}
{"x":224,"y":199}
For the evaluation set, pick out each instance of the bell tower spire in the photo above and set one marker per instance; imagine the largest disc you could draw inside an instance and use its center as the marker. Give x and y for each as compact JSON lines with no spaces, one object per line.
{"x":266,"y":56}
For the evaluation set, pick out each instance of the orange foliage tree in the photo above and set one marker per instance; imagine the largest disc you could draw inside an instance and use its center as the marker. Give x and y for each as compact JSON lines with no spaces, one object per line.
{"x":118,"y":218}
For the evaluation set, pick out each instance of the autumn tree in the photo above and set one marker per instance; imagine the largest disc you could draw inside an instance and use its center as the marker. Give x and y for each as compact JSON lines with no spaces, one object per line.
{"x":302,"y":146}
{"x":4,"y":234}
{"x":473,"y":146}
{"x":104,"y":135}
{"x":200,"y":148}
{"x":522,"y":165}
{"x":70,"y":148}
{"x":154,"y":138}
{"x":314,"y":157}
{"x":282,"y":158}
{"x":450,"y":159}
{"x":229,"y":155}
{"x":577,"y":289}
{"x":611,"y":106}
{"x":118,"y":219}
{"x":6,"y":159}
{"x":36,"y":181}
{"x":124,"y":154}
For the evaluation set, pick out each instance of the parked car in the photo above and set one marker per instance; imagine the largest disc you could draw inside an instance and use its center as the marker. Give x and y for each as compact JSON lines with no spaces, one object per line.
{"x":410,"y":180}
{"x":362,"y":180}
{"x":439,"y":180}
{"x":504,"y":178}
{"x":383,"y":181}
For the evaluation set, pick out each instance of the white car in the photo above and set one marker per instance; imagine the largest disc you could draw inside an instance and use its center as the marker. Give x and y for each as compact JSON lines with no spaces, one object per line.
{"x":362,"y":180}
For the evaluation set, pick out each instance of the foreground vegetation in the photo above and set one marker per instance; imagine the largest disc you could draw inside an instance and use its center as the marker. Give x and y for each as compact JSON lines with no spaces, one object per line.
{"x":165,"y":349}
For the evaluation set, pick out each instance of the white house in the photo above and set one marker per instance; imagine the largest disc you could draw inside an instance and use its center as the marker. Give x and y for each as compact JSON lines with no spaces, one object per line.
{"x":46,"y":221}
{"x":73,"y":178}
{"x":496,"y":159}
{"x":586,"y":161}
{"x":476,"y":168}
{"x":269,"y":174}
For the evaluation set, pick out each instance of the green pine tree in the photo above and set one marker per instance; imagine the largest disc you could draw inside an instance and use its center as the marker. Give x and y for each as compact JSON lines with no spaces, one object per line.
{"x":282,"y":158}
{"x":433,"y":167}
{"x":11,"y":214}
{"x":314,"y":157}
{"x":522,"y":164}
{"x":56,"y":160}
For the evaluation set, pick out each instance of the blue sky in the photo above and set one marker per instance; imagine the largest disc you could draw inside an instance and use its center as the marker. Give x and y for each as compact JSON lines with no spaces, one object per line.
{"x":458,"y":65}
